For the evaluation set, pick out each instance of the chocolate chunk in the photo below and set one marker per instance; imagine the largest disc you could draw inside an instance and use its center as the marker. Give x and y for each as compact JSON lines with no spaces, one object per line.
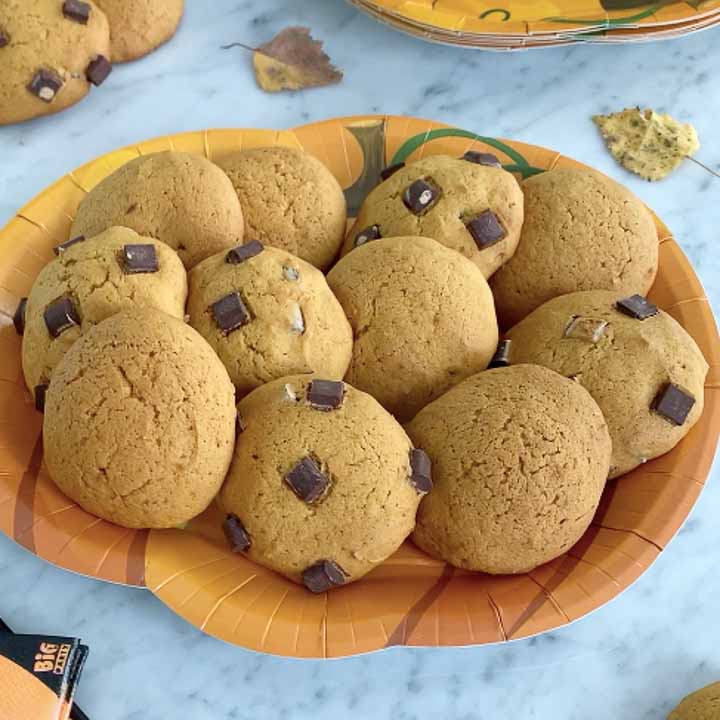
{"x":636,"y":306}
{"x":138,"y":259}
{"x":45,"y":84}
{"x":501,"y":358}
{"x":307,"y":480}
{"x":673,"y":403}
{"x":420,"y":471}
{"x":19,"y":316}
{"x":240,"y":424}
{"x":486,"y":229}
{"x":366,"y":235}
{"x":390,"y":170}
{"x":230,"y":313}
{"x":40,"y":392}
{"x":290,"y":273}
{"x":481,"y":158}
{"x":98,"y":70}
{"x":241,"y":253}
{"x":62,"y":247}
{"x":297,"y":320}
{"x":587,"y":329}
{"x":323,"y":576}
{"x":420,"y":196}
{"x":60,"y":315}
{"x":77,"y":11}
{"x":4,"y":38}
{"x":326,"y":394}
{"x":236,"y":533}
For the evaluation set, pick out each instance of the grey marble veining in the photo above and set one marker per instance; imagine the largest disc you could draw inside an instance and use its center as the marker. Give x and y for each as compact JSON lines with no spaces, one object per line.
{"x":632,"y":659}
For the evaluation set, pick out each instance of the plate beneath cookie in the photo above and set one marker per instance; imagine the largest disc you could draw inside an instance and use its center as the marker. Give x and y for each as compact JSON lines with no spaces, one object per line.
{"x":410,"y":599}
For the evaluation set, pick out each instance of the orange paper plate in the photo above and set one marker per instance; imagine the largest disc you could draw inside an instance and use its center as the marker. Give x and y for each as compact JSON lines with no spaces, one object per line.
{"x":410,"y":599}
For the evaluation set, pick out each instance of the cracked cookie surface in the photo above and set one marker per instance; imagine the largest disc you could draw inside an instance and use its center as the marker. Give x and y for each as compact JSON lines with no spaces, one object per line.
{"x":90,"y":273}
{"x":520,"y":458}
{"x":422,"y":316}
{"x":582,"y":231}
{"x":140,"y":421}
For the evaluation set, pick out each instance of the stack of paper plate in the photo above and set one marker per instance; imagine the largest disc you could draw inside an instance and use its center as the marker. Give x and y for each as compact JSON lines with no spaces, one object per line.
{"x":524,"y":24}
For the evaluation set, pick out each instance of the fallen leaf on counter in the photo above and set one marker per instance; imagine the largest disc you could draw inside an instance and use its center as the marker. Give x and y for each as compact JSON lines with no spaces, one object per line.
{"x":292,"y":60}
{"x":647,"y":143}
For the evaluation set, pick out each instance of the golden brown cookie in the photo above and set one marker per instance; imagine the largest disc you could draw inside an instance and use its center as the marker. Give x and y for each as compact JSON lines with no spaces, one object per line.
{"x":475,"y":208}
{"x":423,"y":319}
{"x":631,"y":357}
{"x":290,"y":201}
{"x":582,"y":231}
{"x":267,"y":314}
{"x":137,"y":27}
{"x":183,"y":200}
{"x":140,"y":421}
{"x":89,"y":281}
{"x":324,"y":484}
{"x":51,"y":52}
{"x":703,"y":704}
{"x":520,"y":456}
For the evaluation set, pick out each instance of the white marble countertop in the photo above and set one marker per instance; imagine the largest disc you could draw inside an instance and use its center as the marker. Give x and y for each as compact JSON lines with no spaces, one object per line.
{"x":632,"y":659}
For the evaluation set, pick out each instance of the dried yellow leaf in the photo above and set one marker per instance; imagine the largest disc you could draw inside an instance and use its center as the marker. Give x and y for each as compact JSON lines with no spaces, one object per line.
{"x":647,"y":143}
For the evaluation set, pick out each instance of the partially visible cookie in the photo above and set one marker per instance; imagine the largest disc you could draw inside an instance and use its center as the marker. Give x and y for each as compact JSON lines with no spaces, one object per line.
{"x":324,"y":484}
{"x":183,"y":200}
{"x":51,"y":52}
{"x":139,"y":421}
{"x":472,"y":206}
{"x":423,"y":319}
{"x":703,"y":704}
{"x":89,"y":281}
{"x":582,"y":231}
{"x":290,"y":201}
{"x":267,"y":314}
{"x":643,"y":369}
{"x":520,"y":456}
{"x":137,"y":27}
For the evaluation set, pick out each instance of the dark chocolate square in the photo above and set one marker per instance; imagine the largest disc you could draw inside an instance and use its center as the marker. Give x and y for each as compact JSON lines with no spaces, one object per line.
{"x":673,"y":403}
{"x":139,"y":259}
{"x":326,"y":394}
{"x":45,"y":84}
{"x":60,"y":315}
{"x":366,"y":235}
{"x":19,"y":316}
{"x":636,"y":306}
{"x":390,"y":170}
{"x":307,"y":480}
{"x":230,"y":313}
{"x":501,"y":358}
{"x":486,"y":229}
{"x":62,"y":247}
{"x":241,"y":253}
{"x":98,"y":70}
{"x":236,"y":534}
{"x":420,"y":196}
{"x":40,"y":392}
{"x":323,"y":575}
{"x":77,"y":11}
{"x":420,"y":471}
{"x":481,"y":158}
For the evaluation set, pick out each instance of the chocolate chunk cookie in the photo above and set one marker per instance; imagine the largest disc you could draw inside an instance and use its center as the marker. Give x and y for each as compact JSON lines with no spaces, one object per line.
{"x":520,"y":456}
{"x":324,"y":484}
{"x":643,"y":369}
{"x":140,"y":421}
{"x":703,"y":704}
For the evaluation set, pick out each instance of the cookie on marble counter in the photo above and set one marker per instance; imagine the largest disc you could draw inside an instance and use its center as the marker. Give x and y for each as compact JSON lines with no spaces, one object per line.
{"x":137,"y":27}
{"x":324,"y":484}
{"x":88,"y":281}
{"x":470,"y":205}
{"x":640,"y":365}
{"x":290,"y":201}
{"x":423,"y":319}
{"x":703,"y":704}
{"x":139,"y":421}
{"x":268,"y":314}
{"x":183,"y":200}
{"x":582,"y":231}
{"x":520,"y":456}
{"x":51,"y":53}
